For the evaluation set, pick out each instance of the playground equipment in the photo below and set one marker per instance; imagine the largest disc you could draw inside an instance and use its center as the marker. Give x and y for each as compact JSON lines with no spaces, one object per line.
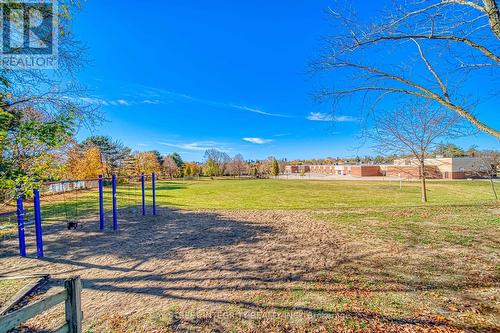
{"x":72,"y":216}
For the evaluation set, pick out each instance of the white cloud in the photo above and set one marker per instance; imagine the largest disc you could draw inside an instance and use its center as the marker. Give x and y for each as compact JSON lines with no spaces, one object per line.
{"x":196,"y":146}
{"x":318,"y":116}
{"x":258,"y":141}
{"x":89,"y":100}
{"x":141,"y":94}
{"x":246,"y":108}
{"x":149,"y":101}
{"x":158,"y":95}
{"x":99,"y":101}
{"x":122,"y":102}
{"x":342,"y":119}
{"x":142,"y":144}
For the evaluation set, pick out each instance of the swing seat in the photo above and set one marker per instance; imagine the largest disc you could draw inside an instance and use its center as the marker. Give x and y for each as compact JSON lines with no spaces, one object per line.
{"x":72,"y":225}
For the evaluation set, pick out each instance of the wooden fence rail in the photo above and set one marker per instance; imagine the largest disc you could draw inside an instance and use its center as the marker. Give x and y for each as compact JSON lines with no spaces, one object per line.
{"x":71,"y":295}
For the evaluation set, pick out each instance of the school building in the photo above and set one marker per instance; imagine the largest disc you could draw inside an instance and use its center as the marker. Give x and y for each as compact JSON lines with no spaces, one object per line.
{"x":435,"y":168}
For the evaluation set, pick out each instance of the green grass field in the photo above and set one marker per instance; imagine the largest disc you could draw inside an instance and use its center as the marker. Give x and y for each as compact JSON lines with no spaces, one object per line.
{"x":263,"y":194}
{"x":302,"y":194}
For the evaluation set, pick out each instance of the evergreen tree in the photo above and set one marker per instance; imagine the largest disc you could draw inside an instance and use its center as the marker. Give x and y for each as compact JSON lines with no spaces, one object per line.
{"x":275,"y":170}
{"x":211,"y":168}
{"x":114,"y":155}
{"x":178,"y":161}
{"x":449,"y":150}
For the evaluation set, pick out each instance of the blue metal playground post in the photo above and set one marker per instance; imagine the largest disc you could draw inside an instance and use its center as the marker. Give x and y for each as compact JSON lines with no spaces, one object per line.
{"x":115,"y":219}
{"x":38,"y":223}
{"x":20,"y":224}
{"x":154,"y":192}
{"x":143,"y":195}
{"x":101,"y":204}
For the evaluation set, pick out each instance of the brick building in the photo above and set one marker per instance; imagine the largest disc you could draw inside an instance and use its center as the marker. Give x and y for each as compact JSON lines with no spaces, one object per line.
{"x":297,"y":168}
{"x":365,"y":170}
{"x":410,"y":171}
{"x":452,"y":167}
{"x":436,"y":168}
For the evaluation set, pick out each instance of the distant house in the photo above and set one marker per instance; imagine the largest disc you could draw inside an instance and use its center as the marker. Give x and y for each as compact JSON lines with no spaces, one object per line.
{"x":436,"y":168}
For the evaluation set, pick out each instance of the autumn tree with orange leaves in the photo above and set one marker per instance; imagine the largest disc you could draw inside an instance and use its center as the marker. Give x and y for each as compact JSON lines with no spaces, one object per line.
{"x":84,"y":164}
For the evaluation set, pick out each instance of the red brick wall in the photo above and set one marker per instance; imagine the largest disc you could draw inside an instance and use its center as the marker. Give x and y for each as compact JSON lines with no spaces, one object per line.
{"x":326,"y":169}
{"x":412,"y":172}
{"x":458,"y":175}
{"x":365,"y":170}
{"x":356,"y":171}
{"x":370,"y":170}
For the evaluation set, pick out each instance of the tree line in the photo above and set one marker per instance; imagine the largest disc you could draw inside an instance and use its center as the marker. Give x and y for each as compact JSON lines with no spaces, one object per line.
{"x":101,"y":155}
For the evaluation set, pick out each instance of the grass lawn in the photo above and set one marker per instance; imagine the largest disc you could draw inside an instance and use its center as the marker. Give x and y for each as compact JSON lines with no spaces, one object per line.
{"x":341,"y":256}
{"x":262,"y":194}
{"x":255,"y":194}
{"x":440,"y":261}
{"x":9,"y":287}
{"x":304,"y":194}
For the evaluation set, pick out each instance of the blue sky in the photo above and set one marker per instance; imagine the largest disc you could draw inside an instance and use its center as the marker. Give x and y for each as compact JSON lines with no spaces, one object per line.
{"x":185,"y":76}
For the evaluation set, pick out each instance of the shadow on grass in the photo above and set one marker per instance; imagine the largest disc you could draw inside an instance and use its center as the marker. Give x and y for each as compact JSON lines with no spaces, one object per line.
{"x":162,"y":185}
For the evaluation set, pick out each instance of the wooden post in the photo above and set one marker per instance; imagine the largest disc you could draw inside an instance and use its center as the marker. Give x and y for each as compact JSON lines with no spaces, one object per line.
{"x":74,"y":314}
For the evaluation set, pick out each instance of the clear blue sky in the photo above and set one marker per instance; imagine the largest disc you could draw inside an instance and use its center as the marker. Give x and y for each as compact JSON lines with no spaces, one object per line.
{"x":185,"y":75}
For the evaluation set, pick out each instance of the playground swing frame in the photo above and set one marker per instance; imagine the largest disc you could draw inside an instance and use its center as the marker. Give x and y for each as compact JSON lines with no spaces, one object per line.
{"x":102,"y":220}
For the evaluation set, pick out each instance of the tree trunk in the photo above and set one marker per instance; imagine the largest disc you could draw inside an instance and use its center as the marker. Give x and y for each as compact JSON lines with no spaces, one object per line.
{"x":493,"y":188}
{"x":422,"y":181}
{"x":493,"y":13}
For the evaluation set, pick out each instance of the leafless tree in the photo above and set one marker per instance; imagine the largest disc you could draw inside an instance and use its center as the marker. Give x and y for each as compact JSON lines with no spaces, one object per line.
{"x":169,"y":167}
{"x":414,"y":129}
{"x":216,"y":160}
{"x":237,"y":165}
{"x":489,"y":162}
{"x":266,"y":166}
{"x":53,"y":91}
{"x":420,"y":49}
{"x":282,"y":165}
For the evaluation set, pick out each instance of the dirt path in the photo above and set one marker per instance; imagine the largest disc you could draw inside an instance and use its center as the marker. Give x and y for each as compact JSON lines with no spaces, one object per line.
{"x":186,"y":256}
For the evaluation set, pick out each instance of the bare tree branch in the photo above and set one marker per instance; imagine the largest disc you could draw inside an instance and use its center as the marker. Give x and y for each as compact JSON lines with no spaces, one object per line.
{"x":463,"y":40}
{"x":451,"y":39}
{"x":466,"y":3}
{"x":491,"y":8}
{"x":433,"y":72}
